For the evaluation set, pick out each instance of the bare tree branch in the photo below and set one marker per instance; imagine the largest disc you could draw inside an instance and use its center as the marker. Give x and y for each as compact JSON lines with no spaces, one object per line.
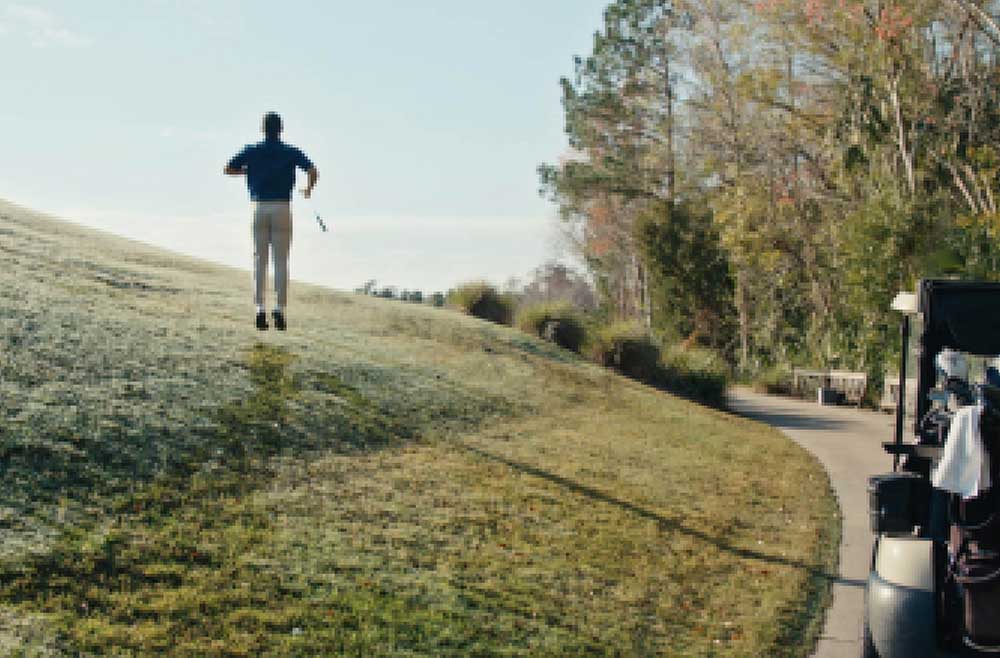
{"x":960,"y":184}
{"x":982,"y":19}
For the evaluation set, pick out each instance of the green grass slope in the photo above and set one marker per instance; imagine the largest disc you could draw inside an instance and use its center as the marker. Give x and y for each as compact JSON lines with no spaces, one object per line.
{"x":384,"y":479}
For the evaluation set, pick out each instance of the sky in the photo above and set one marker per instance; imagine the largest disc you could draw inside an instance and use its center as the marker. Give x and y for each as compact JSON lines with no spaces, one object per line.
{"x":426,"y":119}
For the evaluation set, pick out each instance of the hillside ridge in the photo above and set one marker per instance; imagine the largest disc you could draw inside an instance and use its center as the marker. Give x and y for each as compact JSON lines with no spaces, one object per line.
{"x":385,"y":478}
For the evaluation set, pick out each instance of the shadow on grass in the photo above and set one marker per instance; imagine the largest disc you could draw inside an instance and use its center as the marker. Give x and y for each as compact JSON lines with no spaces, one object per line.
{"x":230,"y":461}
{"x":663,"y":522}
{"x":169,"y":569}
{"x":106,"y":454}
{"x":265,"y":424}
{"x":796,"y":624}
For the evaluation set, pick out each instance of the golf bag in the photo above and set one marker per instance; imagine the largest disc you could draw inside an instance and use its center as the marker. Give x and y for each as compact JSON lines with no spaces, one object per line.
{"x":975,"y":546}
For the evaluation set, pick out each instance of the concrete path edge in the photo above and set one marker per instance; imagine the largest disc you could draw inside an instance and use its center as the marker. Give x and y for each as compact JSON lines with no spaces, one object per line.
{"x":848,"y":443}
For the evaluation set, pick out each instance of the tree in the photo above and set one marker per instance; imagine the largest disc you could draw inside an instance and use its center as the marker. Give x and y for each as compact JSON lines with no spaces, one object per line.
{"x":690,"y":273}
{"x":619,"y":120}
{"x":819,"y":155}
{"x":556,"y":282}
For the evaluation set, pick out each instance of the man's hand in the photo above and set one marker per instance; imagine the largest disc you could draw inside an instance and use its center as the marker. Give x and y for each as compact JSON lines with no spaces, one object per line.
{"x":313,"y":177}
{"x":234,"y":171}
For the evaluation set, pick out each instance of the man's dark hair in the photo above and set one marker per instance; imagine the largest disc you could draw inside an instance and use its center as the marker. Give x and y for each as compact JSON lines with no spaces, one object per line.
{"x":272,"y":124}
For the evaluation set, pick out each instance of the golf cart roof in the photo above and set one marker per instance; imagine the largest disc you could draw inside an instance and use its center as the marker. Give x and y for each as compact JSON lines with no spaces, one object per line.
{"x":962,"y":315}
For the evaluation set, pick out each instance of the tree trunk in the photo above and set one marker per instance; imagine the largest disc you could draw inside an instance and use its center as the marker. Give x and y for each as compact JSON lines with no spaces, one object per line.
{"x":649,"y":302}
{"x":671,"y":162}
{"x":904,"y":151}
{"x":744,"y":319}
{"x":981,"y":18}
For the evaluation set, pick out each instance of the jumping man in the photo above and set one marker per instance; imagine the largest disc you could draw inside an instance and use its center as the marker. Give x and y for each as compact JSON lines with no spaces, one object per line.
{"x":270,"y":170}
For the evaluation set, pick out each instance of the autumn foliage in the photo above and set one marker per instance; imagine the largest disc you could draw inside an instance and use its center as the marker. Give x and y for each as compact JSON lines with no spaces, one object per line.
{"x":826,"y":154}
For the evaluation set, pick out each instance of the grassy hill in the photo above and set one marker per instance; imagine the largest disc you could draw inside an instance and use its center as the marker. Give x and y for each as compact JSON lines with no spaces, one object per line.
{"x":384,"y":479}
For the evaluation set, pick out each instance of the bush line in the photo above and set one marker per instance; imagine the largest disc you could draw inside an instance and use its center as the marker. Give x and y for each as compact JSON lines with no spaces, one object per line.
{"x":630,"y":348}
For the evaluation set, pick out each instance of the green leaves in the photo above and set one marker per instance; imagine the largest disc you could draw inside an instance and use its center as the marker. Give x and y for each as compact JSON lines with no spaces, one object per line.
{"x":844,"y":151}
{"x":690,"y":271}
{"x":854,"y":158}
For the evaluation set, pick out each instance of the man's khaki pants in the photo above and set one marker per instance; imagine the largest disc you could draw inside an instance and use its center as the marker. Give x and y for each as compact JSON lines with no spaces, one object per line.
{"x":272,"y":229}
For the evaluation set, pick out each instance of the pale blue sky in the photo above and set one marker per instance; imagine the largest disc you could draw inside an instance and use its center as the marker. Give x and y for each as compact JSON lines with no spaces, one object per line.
{"x":426,"y":120}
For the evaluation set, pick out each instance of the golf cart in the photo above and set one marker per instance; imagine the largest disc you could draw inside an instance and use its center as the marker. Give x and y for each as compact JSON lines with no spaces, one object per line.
{"x":934,"y":586}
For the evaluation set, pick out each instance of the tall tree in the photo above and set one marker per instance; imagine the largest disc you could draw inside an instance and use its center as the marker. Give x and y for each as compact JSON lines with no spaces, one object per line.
{"x":620,"y":126}
{"x":836,"y":150}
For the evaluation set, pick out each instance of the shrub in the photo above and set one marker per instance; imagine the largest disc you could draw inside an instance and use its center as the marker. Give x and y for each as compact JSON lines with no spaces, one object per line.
{"x":696,"y":373}
{"x":481,"y":300}
{"x":559,"y":323}
{"x":776,"y":380}
{"x":629,"y":349}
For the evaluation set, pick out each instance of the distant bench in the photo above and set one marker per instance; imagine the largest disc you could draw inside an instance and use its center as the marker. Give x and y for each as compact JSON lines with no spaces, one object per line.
{"x":835,"y":386}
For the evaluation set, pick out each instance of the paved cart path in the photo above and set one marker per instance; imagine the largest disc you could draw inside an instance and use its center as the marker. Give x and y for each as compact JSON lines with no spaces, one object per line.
{"x":849,"y":444}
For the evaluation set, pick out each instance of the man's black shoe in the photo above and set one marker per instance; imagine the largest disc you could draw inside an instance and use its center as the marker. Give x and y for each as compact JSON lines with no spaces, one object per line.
{"x":262,"y":321}
{"x":279,"y":320}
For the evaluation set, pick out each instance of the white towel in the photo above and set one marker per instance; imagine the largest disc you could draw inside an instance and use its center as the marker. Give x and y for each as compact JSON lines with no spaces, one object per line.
{"x":965,"y":466}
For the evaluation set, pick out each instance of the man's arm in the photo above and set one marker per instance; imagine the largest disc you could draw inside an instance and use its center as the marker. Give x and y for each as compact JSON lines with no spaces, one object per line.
{"x":237,"y":165}
{"x":313,"y":177}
